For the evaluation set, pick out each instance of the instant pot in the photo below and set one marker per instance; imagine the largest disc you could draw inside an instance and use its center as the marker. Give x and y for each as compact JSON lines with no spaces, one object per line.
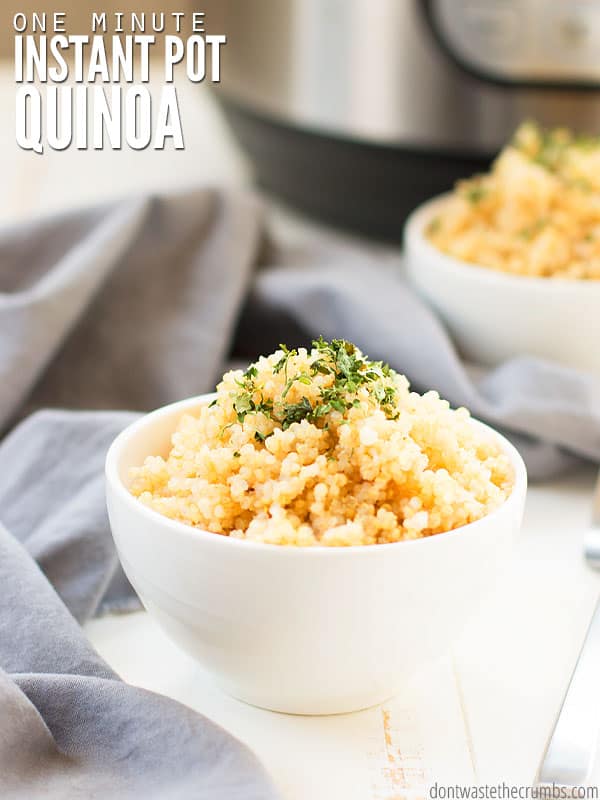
{"x":355,"y":111}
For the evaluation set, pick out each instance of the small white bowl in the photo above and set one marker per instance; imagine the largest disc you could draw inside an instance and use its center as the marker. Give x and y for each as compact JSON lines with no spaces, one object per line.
{"x":493,"y":316}
{"x":302,"y":630}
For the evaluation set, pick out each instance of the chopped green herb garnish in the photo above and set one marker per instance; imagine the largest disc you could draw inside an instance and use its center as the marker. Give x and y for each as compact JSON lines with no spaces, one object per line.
{"x":475,"y":194}
{"x":532,"y":230}
{"x":302,"y":377}
{"x":283,"y":361}
{"x":551,"y":149}
{"x":296,"y":412}
{"x":223,"y":429}
{"x":243,"y":404}
{"x":434,"y":226}
{"x":350,"y":371}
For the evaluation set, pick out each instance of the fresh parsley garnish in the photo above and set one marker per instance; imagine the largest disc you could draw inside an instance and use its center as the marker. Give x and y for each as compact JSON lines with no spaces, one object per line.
{"x":475,"y":194}
{"x":350,"y":372}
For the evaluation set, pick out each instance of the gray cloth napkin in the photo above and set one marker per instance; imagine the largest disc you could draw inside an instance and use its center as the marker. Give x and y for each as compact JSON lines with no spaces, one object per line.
{"x":135,"y":304}
{"x":69,"y":728}
{"x":130,"y":306}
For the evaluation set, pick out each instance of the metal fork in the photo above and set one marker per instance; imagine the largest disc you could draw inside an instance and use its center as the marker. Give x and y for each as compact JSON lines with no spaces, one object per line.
{"x":592,"y":540}
{"x":570,"y":753}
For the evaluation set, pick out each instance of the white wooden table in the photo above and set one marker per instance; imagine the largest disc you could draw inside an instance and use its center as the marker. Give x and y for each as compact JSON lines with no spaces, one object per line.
{"x":480,"y":716}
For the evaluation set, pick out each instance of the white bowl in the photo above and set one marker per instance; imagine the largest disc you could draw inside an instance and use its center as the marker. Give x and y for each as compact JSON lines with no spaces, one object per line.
{"x":493,"y":316}
{"x":302,"y":630}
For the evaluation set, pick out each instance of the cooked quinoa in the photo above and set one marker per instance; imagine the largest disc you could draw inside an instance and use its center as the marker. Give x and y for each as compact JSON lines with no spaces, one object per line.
{"x":325,"y":448}
{"x":536,"y":213}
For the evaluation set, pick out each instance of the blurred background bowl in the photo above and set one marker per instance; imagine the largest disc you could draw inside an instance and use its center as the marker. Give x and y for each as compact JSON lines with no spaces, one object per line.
{"x":493,"y":316}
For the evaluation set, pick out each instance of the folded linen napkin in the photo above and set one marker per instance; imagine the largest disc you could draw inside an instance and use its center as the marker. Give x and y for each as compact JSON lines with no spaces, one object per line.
{"x":130,"y":306}
{"x":69,"y":728}
{"x":136,"y":303}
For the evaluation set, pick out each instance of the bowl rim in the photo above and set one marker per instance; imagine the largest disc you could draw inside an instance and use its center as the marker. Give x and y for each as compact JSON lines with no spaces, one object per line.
{"x":414,"y":238}
{"x":115,"y":484}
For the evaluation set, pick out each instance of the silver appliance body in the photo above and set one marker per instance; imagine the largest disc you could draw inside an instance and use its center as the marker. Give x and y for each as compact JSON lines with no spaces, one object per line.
{"x":434,"y":79}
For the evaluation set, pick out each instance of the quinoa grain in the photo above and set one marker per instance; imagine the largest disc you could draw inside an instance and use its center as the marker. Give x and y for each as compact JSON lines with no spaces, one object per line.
{"x":345,"y":455}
